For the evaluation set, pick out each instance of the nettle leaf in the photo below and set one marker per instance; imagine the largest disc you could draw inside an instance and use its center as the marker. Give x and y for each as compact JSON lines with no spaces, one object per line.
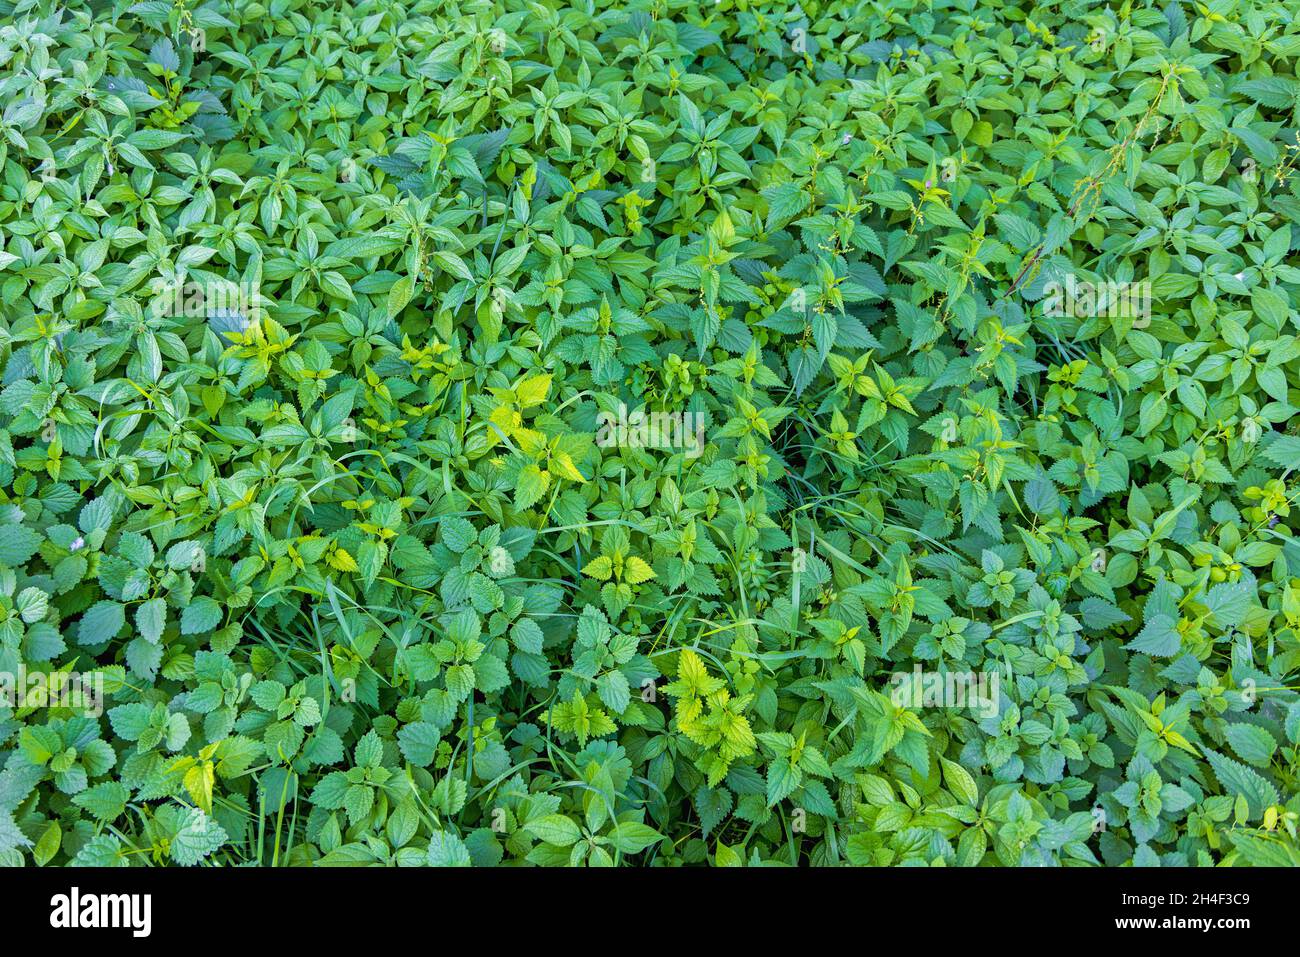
{"x":1240,"y":781}
{"x":101,"y":622}
{"x":150,"y":619}
{"x":18,"y":543}
{"x":1254,"y":745}
{"x":197,"y":837}
{"x":202,"y":615}
{"x":106,"y":802}
{"x":448,"y":850}
{"x":1283,"y":450}
{"x":803,"y":364}
{"x":1158,"y":637}
{"x":419,"y":742}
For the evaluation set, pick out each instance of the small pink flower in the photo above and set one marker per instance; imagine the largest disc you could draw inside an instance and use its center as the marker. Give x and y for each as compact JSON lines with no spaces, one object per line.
{"x":77,"y":544}
{"x":848,"y":138}
{"x":927,"y":184}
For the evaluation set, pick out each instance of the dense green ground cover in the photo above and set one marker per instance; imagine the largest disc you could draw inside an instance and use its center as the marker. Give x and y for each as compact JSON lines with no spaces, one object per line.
{"x":327,"y":326}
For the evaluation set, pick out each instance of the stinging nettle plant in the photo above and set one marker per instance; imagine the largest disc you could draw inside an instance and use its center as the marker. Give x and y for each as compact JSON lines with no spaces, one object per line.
{"x":649,"y":433}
